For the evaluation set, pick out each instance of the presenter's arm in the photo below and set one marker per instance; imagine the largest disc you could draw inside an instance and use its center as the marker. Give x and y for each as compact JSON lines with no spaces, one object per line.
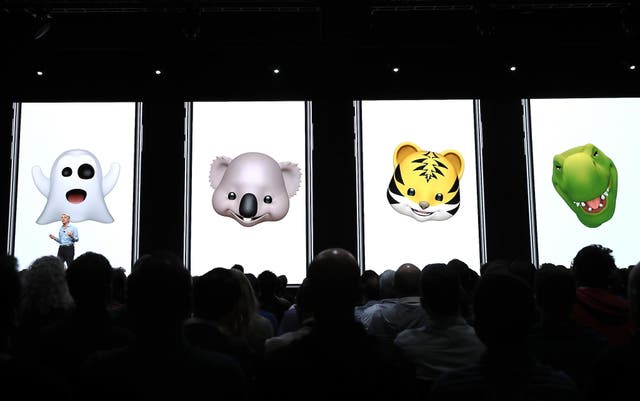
{"x":53,"y":237}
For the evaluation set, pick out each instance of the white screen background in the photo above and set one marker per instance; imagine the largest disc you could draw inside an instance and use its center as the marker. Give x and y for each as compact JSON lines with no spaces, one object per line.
{"x":230,"y":129}
{"x":48,"y":129}
{"x":611,"y":124}
{"x":391,"y":238}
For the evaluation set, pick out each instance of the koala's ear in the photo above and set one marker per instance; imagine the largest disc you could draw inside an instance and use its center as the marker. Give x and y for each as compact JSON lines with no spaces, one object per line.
{"x":218,"y":167}
{"x":291,"y":174}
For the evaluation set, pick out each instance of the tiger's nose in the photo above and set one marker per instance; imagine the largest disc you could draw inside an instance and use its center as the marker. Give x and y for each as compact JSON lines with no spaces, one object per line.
{"x":423,"y":204}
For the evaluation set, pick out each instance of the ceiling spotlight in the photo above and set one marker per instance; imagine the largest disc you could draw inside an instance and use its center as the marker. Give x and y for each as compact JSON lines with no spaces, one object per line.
{"x":396,"y":69}
{"x":632,"y":67}
{"x":276,"y":71}
{"x":512,"y":68}
{"x":158,"y":72}
{"x":39,"y":73}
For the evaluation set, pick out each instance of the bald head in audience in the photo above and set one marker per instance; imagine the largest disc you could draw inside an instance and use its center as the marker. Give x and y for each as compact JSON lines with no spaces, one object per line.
{"x":333,"y":288}
{"x":406,"y":281}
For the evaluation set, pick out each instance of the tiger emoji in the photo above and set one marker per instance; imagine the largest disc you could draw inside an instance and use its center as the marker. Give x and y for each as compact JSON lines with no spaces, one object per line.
{"x":425,"y":184}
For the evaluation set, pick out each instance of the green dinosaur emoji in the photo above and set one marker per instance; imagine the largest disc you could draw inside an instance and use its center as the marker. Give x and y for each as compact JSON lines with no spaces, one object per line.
{"x":587,"y":180}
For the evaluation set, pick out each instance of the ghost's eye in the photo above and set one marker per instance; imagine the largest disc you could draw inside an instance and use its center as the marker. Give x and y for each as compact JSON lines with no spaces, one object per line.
{"x":231,"y":196}
{"x":66,"y":172}
{"x":411,"y":192}
{"x":439,"y":197}
{"x":85,"y":171}
{"x":267,"y":199}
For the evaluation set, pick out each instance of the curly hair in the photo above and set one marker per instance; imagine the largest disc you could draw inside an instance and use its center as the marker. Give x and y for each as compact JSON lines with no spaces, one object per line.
{"x":45,"y":288}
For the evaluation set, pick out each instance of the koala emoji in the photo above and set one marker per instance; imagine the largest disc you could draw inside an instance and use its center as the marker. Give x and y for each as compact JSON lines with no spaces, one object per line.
{"x":253,"y":187}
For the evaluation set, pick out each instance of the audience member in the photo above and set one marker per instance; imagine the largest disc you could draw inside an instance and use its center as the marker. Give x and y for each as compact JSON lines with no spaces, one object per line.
{"x":448,"y":341}
{"x":269,"y":300}
{"x":557,"y":340}
{"x":617,"y":370}
{"x":304,"y":315}
{"x":596,"y":307}
{"x":504,"y":312}
{"x":387,"y":298}
{"x":468,"y":280}
{"x":255,"y":284}
{"x":66,"y":345}
{"x":337,"y":359}
{"x":370,"y":284}
{"x":45,"y":300}
{"x":160,"y":364}
{"x":406,"y":313}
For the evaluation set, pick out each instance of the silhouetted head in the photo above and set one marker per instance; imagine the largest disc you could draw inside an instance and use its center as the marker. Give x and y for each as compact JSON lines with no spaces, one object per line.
{"x":370,"y":285}
{"x":89,"y":279}
{"x":633,"y":289}
{"x":159,"y":292}
{"x":238,"y":267}
{"x":523,"y":269}
{"x":386,"y":284}
{"x":555,"y":289}
{"x":215,"y":294}
{"x":406,"y":281}
{"x":268,"y":283}
{"x":440,"y":290}
{"x":45,"y":287}
{"x":333,"y":284}
{"x":9,"y":294}
{"x":504,"y":310}
{"x":592,"y":266}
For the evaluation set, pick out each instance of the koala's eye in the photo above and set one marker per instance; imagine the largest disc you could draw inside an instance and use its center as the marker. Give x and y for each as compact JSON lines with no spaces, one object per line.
{"x":66,"y":172}
{"x":267,"y":199}
{"x":439,"y":197}
{"x":231,"y":196}
{"x":411,"y":192}
{"x":85,"y":171}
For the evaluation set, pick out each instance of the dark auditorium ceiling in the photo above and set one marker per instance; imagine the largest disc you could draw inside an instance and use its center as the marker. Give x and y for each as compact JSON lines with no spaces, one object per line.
{"x":456,"y":40}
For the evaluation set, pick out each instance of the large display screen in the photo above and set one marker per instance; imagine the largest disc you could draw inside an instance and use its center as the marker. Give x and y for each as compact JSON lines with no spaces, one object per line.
{"x":78,"y":159}
{"x":585,"y":171}
{"x":249,"y":187}
{"x":418,"y":174}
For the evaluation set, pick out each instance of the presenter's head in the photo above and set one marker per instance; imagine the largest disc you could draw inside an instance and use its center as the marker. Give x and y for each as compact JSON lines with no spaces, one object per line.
{"x":65,"y":218}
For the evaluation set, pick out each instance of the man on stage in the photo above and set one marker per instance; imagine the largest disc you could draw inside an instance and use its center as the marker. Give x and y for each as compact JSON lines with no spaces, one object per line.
{"x":67,"y":236}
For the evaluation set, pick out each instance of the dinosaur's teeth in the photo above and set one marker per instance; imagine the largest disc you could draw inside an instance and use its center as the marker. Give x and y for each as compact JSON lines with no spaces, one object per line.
{"x":603,"y":197}
{"x":589,"y":209}
{"x":583,"y":204}
{"x":601,"y":205}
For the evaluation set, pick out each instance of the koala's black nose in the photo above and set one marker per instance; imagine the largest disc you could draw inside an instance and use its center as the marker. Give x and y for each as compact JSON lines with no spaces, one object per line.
{"x":248,"y":205}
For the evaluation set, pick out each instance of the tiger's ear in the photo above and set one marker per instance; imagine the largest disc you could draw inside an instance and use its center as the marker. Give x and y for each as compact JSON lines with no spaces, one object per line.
{"x":403,"y":150}
{"x":455,"y":158}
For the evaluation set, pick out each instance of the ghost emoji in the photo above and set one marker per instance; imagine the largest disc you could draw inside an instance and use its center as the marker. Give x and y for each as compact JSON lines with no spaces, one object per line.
{"x":76,"y":187}
{"x":253,"y":187}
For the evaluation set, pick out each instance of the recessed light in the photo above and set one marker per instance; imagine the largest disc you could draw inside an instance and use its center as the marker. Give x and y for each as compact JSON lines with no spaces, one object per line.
{"x":512,"y":68}
{"x":158,"y":72}
{"x":632,"y":67}
{"x":396,"y":69}
{"x":39,"y":73}
{"x":276,"y":71}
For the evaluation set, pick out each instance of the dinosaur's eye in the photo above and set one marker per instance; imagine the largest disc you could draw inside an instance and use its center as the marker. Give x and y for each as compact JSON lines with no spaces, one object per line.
{"x":595,"y":153}
{"x":411,"y":192}
{"x":268,"y":199}
{"x":558,"y":167}
{"x":231,"y":196}
{"x":439,"y":197}
{"x":66,"y":172}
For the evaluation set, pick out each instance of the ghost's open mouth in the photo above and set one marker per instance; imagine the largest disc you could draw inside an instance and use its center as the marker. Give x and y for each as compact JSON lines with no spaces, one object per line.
{"x":76,"y":196}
